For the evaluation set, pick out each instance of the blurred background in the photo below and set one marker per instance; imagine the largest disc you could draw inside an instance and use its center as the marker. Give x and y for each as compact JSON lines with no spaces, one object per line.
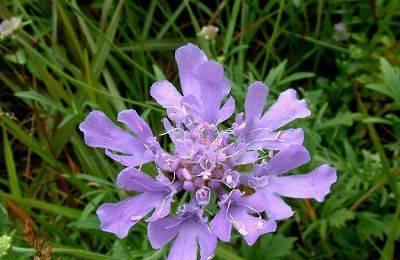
{"x":61,"y":59}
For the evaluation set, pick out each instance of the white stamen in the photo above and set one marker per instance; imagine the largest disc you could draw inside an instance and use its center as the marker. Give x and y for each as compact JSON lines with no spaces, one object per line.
{"x":261,"y":128}
{"x":169,"y":131}
{"x":270,"y":153}
{"x":136,"y":218}
{"x":205,"y":175}
{"x":186,"y":175}
{"x":229,"y":179}
{"x":260,"y":225}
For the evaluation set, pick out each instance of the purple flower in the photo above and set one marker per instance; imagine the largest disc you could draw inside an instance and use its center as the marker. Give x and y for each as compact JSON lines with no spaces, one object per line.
{"x":205,"y":162}
{"x":270,"y":185}
{"x":189,"y":228}
{"x":155,"y":195}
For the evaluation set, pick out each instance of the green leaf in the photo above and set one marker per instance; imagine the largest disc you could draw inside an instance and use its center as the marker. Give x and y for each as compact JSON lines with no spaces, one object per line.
{"x":10,"y":165}
{"x":45,"y":206}
{"x":225,"y":253}
{"x":339,"y":217}
{"x":275,"y":74}
{"x":42,"y":100}
{"x":275,"y":246}
{"x":103,"y":47}
{"x":158,"y":72}
{"x":296,"y":76}
{"x":345,"y":118}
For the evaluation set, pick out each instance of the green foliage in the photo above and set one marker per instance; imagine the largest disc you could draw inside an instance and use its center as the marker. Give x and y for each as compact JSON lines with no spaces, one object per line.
{"x":70,"y":57}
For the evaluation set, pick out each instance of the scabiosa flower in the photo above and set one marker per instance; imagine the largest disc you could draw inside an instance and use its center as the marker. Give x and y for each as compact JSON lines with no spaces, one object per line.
{"x":237,"y":170}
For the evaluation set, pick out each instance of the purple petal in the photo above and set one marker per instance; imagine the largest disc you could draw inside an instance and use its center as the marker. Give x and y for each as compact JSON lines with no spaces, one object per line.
{"x":192,"y":107}
{"x":286,"y":160}
{"x":316,"y":184}
{"x":275,"y":140}
{"x":131,"y":160}
{"x":249,"y":226}
{"x":286,"y":109}
{"x":133,"y":179}
{"x":207,"y":242}
{"x":220,"y":226}
{"x":255,"y":101}
{"x":162,"y":231}
{"x":213,"y":86}
{"x":100,"y":132}
{"x":119,"y":217}
{"x":185,"y":244}
{"x":246,"y":157}
{"x":274,"y":206}
{"x":162,"y":209}
{"x":266,"y":227}
{"x":136,"y":124}
{"x":188,"y":58}
{"x":226,"y":110}
{"x":165,"y":94}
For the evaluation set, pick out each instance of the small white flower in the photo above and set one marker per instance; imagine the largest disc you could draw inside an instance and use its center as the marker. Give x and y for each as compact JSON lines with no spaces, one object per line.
{"x":8,"y":26}
{"x":341,"y":33}
{"x":209,"y":32}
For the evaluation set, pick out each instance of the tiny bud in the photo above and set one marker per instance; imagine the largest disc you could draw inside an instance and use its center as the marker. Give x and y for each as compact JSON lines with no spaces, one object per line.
{"x":203,"y":196}
{"x":188,"y":186}
{"x":198,"y":182}
{"x":214,"y":185}
{"x":218,"y":173}
{"x":179,"y":174}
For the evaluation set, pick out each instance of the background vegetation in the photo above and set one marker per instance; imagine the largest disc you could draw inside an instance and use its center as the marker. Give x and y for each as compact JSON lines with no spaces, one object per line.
{"x":73,"y":56}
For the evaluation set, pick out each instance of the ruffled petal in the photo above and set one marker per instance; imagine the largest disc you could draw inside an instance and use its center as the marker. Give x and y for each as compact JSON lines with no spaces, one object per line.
{"x":119,"y":217}
{"x":316,"y":184}
{"x":286,"y":109}
{"x":170,"y":130}
{"x":249,"y":226}
{"x":134,"y":179}
{"x":190,"y":233}
{"x":101,"y":132}
{"x":214,"y":87}
{"x":286,"y":160}
{"x":131,"y":160}
{"x":162,"y":231}
{"x":162,"y":209}
{"x":275,"y":140}
{"x":246,"y":157}
{"x":275,"y":207}
{"x":255,"y":101}
{"x":165,"y":94}
{"x":185,"y":244}
{"x":135,"y":123}
{"x":267,"y":226}
{"x":193,"y":108}
{"x":188,"y":58}
{"x":226,"y":110}
{"x":207,"y":242}
{"x":220,"y":226}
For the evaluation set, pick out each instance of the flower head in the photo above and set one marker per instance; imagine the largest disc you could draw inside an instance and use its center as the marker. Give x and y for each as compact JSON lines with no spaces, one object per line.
{"x":205,"y":162}
{"x":8,"y":26}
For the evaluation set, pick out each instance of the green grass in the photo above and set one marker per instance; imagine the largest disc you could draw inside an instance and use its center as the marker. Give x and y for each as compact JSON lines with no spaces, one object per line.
{"x":73,"y":56}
